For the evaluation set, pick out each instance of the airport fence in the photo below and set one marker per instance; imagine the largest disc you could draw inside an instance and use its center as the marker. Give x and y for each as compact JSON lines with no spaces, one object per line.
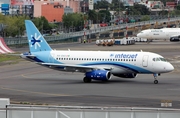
{"x":75,"y":36}
{"x":22,"y":111}
{"x":24,"y":41}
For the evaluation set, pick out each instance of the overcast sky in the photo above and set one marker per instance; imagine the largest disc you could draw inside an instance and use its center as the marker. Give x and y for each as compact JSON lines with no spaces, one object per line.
{"x":4,"y":1}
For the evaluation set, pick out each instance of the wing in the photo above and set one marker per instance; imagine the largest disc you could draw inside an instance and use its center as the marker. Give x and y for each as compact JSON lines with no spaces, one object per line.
{"x":74,"y":68}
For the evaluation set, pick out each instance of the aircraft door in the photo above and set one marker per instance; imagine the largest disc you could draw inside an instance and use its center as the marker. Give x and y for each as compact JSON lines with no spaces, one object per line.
{"x":145,"y":61}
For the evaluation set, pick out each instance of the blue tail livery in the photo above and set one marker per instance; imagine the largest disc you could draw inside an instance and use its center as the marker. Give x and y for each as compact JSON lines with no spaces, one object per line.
{"x":36,"y":40}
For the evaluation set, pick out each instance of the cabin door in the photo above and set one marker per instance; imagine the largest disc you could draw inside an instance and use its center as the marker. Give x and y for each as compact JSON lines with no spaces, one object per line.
{"x":145,"y":61}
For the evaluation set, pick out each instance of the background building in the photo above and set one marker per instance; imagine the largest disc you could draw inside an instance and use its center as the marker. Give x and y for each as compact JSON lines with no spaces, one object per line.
{"x":50,"y":6}
{"x":52,"y":12}
{"x":91,"y":4}
{"x":22,"y":7}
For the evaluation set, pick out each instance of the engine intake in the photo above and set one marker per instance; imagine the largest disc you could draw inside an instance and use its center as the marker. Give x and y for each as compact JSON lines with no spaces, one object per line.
{"x":98,"y":75}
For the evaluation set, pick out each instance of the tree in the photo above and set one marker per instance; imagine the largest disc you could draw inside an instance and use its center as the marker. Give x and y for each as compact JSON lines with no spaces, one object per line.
{"x":42,"y":23}
{"x":145,"y":18}
{"x":105,"y":16}
{"x":103,"y":4}
{"x":15,"y":25}
{"x":72,"y":20}
{"x":117,"y":5}
{"x":178,"y":7}
{"x":92,"y":15}
{"x":142,"y":9}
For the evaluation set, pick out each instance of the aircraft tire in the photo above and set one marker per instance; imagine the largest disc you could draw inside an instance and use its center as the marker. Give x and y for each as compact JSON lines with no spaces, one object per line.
{"x":155,"y":81}
{"x":86,"y":80}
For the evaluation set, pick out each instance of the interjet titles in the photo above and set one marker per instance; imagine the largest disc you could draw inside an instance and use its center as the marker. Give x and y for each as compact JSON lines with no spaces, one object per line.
{"x":132,"y":56}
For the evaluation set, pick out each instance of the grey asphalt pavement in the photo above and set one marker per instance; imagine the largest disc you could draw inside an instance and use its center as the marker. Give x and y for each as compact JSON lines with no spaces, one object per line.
{"x":27,"y":82}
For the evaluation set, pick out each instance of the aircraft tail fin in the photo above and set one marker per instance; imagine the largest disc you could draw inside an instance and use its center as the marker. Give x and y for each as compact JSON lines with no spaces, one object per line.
{"x":35,"y":39}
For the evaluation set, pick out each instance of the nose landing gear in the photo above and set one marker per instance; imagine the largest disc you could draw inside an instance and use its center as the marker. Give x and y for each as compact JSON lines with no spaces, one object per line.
{"x":155,"y":78}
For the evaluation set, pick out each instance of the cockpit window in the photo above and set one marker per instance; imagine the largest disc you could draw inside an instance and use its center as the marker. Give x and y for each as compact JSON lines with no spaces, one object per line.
{"x":159,"y":59}
{"x":163,"y":59}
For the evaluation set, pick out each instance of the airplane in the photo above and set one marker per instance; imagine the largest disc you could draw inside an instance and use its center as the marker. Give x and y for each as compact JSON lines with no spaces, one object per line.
{"x":171,"y":34}
{"x":96,"y":65}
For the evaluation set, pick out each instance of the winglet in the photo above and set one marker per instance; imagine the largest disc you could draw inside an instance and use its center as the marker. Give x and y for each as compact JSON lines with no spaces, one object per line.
{"x":35,"y":39}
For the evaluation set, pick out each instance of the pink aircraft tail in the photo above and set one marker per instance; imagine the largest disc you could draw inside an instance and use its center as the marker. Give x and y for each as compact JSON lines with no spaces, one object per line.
{"x":3,"y":47}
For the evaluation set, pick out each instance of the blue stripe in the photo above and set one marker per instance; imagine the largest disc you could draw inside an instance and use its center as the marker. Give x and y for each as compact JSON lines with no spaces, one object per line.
{"x":133,"y":68}
{"x":120,"y":64}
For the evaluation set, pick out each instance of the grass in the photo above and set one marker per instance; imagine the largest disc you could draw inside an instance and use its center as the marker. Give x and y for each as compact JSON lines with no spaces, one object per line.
{"x":9,"y":58}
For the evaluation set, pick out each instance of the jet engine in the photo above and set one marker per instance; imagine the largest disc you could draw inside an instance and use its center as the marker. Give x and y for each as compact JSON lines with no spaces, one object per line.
{"x":98,"y":75}
{"x":177,"y":38}
{"x":126,"y":75}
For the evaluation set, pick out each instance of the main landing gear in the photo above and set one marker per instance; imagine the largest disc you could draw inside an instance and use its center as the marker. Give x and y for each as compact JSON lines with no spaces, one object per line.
{"x":86,"y":80}
{"x":155,"y":78}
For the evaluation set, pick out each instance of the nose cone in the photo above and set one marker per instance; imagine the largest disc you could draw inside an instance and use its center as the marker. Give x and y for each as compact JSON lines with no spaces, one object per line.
{"x":169,"y":68}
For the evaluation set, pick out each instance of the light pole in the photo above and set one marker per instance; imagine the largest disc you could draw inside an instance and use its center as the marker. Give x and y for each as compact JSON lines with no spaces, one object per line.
{"x":84,"y":22}
{"x":42,"y":27}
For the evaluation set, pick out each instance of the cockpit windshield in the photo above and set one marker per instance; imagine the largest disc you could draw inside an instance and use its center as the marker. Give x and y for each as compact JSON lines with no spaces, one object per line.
{"x":159,"y":59}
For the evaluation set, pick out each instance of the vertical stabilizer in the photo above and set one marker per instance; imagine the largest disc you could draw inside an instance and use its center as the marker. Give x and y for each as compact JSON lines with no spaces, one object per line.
{"x":35,"y":39}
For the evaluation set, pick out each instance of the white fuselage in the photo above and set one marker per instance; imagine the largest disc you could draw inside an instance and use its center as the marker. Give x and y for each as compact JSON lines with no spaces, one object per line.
{"x":115,"y":61}
{"x":164,"y":33}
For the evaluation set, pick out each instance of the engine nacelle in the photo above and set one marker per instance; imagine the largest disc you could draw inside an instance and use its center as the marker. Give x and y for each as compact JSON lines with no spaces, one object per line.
{"x":98,"y":75}
{"x":177,"y":38}
{"x":127,"y":75}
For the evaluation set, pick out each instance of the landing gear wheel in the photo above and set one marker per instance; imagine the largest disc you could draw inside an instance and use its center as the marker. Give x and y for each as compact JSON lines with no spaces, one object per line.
{"x":155,"y":81}
{"x":86,"y":80}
